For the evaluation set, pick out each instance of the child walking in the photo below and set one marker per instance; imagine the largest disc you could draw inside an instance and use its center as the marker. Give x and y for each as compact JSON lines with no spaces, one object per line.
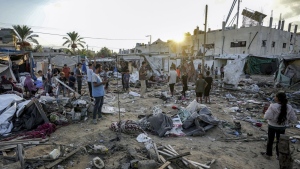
{"x":126,"y":78}
{"x":200,"y":86}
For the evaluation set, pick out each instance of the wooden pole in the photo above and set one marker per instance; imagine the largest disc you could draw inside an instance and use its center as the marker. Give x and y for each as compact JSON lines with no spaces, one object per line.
{"x":205,"y":26}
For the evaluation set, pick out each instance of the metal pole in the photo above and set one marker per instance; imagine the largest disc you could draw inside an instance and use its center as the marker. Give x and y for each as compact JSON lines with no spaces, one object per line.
{"x":238,"y":13}
{"x":205,"y":25}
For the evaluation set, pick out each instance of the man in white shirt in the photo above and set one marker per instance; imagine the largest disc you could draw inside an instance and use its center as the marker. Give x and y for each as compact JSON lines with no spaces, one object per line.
{"x":89,"y":77}
{"x":172,"y":79}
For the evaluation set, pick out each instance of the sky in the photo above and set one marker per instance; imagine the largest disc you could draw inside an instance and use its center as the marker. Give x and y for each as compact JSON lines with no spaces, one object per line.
{"x":120,"y":24}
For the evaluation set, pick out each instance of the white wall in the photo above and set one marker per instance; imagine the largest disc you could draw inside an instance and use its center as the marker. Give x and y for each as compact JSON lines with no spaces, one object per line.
{"x":247,"y":34}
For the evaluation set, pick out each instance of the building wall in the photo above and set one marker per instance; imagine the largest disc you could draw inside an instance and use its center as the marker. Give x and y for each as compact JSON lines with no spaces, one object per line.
{"x":255,"y":34}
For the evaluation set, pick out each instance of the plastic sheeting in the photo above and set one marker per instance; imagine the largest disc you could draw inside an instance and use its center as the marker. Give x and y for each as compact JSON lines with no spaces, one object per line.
{"x":5,"y":119}
{"x":233,"y":71}
{"x":155,"y":64}
{"x":134,"y":77}
{"x":7,"y":99}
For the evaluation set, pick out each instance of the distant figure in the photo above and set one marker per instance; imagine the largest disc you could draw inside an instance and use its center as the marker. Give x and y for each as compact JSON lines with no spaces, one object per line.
{"x":66,"y":70}
{"x":79,"y":76}
{"x":106,"y":78}
{"x":15,"y":69}
{"x":200,"y":86}
{"x":172,"y":79}
{"x":142,"y":78}
{"x":72,"y":81}
{"x":184,"y":80}
{"x":199,"y":67}
{"x":28,"y":83}
{"x":4,"y":80}
{"x":60,"y":86}
{"x":55,"y":71}
{"x":222,"y":71}
{"x":216,"y":73}
{"x":126,"y":80}
{"x":209,"y":81}
{"x":178,"y":74}
{"x":279,"y":115}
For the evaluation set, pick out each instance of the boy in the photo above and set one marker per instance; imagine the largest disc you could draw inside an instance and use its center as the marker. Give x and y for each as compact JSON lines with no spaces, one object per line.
{"x":200,"y":86}
{"x":126,"y":80}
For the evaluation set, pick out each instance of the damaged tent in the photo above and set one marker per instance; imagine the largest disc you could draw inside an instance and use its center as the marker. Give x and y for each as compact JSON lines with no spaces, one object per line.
{"x":260,"y":65}
{"x":5,"y":68}
{"x":288,"y":73}
{"x":17,"y":114}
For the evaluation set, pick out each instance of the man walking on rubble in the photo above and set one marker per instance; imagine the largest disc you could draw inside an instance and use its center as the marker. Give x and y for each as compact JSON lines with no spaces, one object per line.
{"x":142,"y":78}
{"x":98,"y":92}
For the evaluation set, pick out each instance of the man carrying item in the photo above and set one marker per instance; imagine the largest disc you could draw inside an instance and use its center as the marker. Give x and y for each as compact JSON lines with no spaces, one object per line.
{"x":89,"y":77}
{"x":98,"y":92}
{"x":79,"y":77}
{"x":142,"y":78}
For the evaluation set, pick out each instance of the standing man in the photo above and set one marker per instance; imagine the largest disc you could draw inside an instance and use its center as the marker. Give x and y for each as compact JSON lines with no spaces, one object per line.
{"x":98,"y":92}
{"x":222,"y":71}
{"x":89,"y":77}
{"x":15,"y":69}
{"x":172,"y":79}
{"x":79,"y":77}
{"x":66,"y":71}
{"x":142,"y":78}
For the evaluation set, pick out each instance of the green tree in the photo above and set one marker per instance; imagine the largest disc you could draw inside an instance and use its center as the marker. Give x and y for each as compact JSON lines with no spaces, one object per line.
{"x":104,"y":52}
{"x":73,"y":40}
{"x":84,"y":52}
{"x":38,"y":48}
{"x":24,"y":36}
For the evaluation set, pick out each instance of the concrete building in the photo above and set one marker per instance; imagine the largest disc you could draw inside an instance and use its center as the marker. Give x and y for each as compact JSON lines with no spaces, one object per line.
{"x":255,"y":40}
{"x":7,"y":41}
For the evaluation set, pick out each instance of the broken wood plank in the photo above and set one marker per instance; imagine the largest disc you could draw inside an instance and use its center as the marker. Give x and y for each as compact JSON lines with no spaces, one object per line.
{"x":156,"y":151}
{"x":164,"y":153}
{"x":165,"y":165}
{"x":193,"y":163}
{"x":62,"y":159}
{"x":163,"y":160}
{"x":178,"y":156}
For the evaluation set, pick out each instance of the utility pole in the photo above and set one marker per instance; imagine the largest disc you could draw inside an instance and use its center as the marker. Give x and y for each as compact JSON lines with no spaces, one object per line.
{"x":237,"y":15}
{"x":205,"y":25}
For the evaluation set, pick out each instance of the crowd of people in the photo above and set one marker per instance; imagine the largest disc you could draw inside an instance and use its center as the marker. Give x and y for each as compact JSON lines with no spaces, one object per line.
{"x":203,"y":82}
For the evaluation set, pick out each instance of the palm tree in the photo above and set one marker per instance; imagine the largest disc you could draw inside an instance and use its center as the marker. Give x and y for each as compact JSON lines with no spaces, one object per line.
{"x":38,"y":48}
{"x":73,"y":40}
{"x":24,"y":36}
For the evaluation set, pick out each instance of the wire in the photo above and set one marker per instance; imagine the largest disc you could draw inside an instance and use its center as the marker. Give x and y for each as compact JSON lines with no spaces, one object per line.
{"x":46,"y":33}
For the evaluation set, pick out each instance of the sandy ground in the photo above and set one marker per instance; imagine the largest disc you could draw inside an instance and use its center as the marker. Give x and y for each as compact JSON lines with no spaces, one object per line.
{"x":230,"y":155}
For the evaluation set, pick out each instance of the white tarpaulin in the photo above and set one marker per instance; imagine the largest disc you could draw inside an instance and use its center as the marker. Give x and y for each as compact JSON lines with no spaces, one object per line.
{"x":155,"y":64}
{"x":5,"y":119}
{"x":7,"y":99}
{"x":233,"y":71}
{"x":134,"y":77}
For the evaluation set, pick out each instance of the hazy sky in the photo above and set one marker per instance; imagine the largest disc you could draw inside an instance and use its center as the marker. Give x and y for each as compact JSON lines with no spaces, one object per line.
{"x":130,"y":19}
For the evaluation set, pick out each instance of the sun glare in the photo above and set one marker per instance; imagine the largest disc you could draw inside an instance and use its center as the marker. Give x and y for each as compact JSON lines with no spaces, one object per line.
{"x":179,"y":39}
